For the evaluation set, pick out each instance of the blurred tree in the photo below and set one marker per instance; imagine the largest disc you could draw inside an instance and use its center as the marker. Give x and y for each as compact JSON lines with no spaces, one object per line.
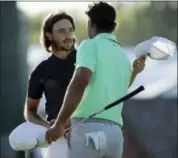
{"x":13,"y":73}
{"x":126,"y":28}
{"x":164,"y":19}
{"x":135,"y":24}
{"x":35,"y":23}
{"x":80,"y":32}
{"x":156,"y":19}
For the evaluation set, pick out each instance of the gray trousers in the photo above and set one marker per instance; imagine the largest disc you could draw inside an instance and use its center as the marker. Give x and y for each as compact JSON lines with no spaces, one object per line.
{"x":77,"y":140}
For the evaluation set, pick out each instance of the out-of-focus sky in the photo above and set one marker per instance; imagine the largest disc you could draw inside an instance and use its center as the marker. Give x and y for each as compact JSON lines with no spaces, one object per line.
{"x":37,"y":7}
{"x":33,"y":8}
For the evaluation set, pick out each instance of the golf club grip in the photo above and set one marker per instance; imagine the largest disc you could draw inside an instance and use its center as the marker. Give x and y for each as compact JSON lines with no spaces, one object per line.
{"x":126,"y":97}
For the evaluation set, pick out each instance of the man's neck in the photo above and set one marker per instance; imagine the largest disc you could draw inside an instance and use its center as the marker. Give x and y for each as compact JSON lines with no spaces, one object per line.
{"x":61,"y":54}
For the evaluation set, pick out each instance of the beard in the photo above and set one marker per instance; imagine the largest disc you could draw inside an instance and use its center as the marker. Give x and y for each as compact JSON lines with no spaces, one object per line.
{"x":62,"y":46}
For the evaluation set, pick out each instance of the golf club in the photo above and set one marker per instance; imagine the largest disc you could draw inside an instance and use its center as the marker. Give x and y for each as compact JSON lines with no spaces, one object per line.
{"x":126,"y":97}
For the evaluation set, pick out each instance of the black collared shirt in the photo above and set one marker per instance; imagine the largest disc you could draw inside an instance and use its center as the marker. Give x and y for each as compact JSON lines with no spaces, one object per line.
{"x":52,"y":77}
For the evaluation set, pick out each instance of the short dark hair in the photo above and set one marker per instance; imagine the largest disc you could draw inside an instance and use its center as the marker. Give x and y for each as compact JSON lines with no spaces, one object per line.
{"x":103,"y":16}
{"x":47,"y":26}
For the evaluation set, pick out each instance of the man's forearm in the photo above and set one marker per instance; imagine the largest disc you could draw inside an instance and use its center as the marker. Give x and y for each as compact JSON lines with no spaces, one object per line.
{"x":36,"y":119}
{"x":133,"y":76}
{"x":72,"y":98}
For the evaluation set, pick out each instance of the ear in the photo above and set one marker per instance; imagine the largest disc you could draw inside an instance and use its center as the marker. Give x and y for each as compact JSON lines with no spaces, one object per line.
{"x":92,"y":25}
{"x":89,"y":23}
{"x":49,"y":36}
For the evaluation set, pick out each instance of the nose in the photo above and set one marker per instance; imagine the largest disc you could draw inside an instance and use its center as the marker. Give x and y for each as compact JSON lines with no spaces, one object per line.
{"x":69,"y":35}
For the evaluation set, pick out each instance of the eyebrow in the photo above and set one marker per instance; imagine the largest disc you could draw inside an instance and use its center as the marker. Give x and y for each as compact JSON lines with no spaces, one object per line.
{"x":66,"y":28}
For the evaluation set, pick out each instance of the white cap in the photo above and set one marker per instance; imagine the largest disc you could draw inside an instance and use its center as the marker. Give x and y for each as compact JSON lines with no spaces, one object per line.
{"x":157,"y":48}
{"x":27,"y":136}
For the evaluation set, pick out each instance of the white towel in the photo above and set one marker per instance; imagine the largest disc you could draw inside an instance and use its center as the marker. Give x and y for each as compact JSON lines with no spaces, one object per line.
{"x":57,"y":149}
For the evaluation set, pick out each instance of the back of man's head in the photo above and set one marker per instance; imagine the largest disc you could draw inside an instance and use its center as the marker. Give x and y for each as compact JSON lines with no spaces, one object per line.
{"x":103,"y":16}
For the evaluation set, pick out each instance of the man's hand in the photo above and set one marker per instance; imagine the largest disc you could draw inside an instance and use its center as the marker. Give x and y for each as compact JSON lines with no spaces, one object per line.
{"x":139,"y":65}
{"x":55,"y":132}
{"x":50,"y":123}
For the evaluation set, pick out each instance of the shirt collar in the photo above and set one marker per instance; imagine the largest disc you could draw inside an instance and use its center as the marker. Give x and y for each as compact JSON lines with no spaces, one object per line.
{"x":109,"y":36}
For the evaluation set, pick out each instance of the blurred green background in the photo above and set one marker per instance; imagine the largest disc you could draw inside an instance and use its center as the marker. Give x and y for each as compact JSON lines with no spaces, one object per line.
{"x":137,"y":22}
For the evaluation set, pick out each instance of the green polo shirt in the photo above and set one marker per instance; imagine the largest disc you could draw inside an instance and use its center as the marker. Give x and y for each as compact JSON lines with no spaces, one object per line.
{"x":111,"y":73}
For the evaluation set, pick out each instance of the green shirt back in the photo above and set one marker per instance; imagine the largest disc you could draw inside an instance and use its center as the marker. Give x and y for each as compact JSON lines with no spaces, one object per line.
{"x":111,"y":72}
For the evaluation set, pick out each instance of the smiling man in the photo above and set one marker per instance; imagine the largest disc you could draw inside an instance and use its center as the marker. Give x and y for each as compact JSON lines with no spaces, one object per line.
{"x":52,"y":76}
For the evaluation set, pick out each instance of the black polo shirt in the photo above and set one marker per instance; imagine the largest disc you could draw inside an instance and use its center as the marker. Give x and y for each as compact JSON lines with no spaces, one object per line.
{"x":52,"y":77}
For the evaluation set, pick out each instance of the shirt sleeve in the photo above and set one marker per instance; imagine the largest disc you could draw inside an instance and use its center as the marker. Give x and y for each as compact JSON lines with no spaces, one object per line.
{"x":86,"y":55}
{"x":35,"y":84}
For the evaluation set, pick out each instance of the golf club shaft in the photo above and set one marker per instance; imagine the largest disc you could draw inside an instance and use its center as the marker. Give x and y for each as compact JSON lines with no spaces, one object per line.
{"x":126,"y":97}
